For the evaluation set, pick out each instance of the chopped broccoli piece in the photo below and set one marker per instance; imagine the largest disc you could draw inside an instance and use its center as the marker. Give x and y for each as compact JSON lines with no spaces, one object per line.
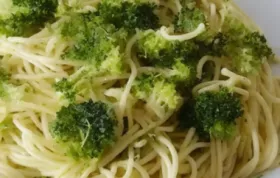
{"x":25,"y":17}
{"x":245,"y":62}
{"x":176,"y":59}
{"x":113,"y":64}
{"x":212,"y":114}
{"x":234,"y":27}
{"x":164,"y":95}
{"x":223,"y":130}
{"x":129,"y":15}
{"x":8,"y":91}
{"x":248,"y":53}
{"x":77,"y":83}
{"x":247,"y":49}
{"x":189,"y":50}
{"x":85,"y":129}
{"x":219,"y":43}
{"x":212,"y":43}
{"x":258,"y":43}
{"x":94,"y":42}
{"x":188,"y":20}
{"x":182,"y":72}
{"x":157,"y":92}
{"x":66,"y":88}
{"x":142,"y":86}
{"x":154,"y":50}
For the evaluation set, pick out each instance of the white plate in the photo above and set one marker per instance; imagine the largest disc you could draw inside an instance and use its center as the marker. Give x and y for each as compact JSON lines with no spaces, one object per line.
{"x":266,"y":14}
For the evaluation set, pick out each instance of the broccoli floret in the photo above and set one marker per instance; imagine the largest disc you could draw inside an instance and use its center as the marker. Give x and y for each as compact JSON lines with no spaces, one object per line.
{"x":8,"y":91}
{"x":113,"y":64}
{"x":129,"y":15}
{"x":234,"y":27}
{"x":212,"y":43}
{"x":66,"y":88}
{"x":143,"y":85}
{"x":85,"y":129}
{"x":248,"y":53}
{"x":258,"y":43}
{"x":154,"y":50}
{"x":94,"y":42}
{"x":164,"y":96}
{"x":212,"y":113}
{"x":158,"y":93}
{"x":246,"y":49}
{"x":188,"y":20}
{"x":25,"y":17}
{"x":182,"y":72}
{"x":176,"y":59}
{"x":79,"y":83}
{"x":218,"y":44}
{"x":223,"y":130}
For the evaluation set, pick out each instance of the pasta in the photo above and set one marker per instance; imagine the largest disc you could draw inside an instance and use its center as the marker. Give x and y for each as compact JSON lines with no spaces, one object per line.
{"x":152,"y":145}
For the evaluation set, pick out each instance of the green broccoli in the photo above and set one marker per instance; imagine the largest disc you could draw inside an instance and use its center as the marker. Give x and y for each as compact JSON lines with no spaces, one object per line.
{"x":77,"y":83}
{"x":8,"y":91}
{"x":212,"y":113}
{"x":211,"y":43}
{"x":97,"y":46}
{"x":154,"y":50}
{"x":67,"y":89}
{"x":182,"y":72}
{"x":158,"y":93}
{"x":177,"y":60}
{"x":164,"y":96}
{"x":188,"y":20}
{"x":234,"y":27}
{"x":25,"y":17}
{"x":85,"y":129}
{"x":246,"y":49}
{"x":93,"y":40}
{"x":142,"y":86}
{"x":128,"y":15}
{"x":249,"y":54}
